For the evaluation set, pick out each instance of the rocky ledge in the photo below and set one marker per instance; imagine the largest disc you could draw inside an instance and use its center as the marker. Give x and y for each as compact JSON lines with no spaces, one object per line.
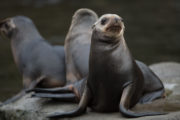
{"x":28,"y":108}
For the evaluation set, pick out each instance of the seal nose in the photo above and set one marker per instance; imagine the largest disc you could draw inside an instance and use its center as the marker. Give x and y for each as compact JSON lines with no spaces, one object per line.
{"x":116,"y":20}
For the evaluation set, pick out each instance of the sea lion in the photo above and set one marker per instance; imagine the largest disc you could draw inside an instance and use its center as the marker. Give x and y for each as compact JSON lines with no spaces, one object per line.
{"x":77,"y":44}
{"x":77,"y":88}
{"x":77,"y":49}
{"x":40,"y":63}
{"x":115,"y":80}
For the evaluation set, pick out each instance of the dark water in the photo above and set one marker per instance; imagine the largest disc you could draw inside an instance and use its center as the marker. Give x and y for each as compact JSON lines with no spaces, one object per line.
{"x":152,"y":29}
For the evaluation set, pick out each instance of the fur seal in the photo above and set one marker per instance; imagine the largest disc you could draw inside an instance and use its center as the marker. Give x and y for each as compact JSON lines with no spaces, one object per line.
{"x":115,"y":80}
{"x":77,"y":49}
{"x":40,"y":63}
{"x":77,"y":44}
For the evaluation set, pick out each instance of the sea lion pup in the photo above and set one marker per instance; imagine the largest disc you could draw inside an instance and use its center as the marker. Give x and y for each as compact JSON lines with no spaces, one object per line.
{"x":40,"y":63}
{"x":115,"y":81}
{"x":77,"y":49}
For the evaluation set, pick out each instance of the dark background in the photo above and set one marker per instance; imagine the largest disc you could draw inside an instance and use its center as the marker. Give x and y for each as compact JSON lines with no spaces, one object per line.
{"x":152,"y":29}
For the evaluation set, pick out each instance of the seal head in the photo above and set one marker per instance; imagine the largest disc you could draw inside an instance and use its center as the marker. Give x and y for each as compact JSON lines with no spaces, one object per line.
{"x":10,"y":27}
{"x":7,"y":27}
{"x":109,"y":26}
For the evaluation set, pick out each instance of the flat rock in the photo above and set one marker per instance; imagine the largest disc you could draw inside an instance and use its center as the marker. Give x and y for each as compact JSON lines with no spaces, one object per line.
{"x":28,"y":108}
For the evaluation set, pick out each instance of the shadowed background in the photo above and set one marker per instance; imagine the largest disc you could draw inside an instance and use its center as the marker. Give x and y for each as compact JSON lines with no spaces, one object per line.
{"x":152,"y":29}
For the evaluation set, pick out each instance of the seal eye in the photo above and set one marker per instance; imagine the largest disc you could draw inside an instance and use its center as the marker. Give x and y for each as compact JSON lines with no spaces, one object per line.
{"x":104,"y":21}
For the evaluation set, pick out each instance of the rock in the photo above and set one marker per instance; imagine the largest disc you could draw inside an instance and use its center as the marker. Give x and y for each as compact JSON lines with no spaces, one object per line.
{"x":28,"y":108}
{"x":169,"y":73}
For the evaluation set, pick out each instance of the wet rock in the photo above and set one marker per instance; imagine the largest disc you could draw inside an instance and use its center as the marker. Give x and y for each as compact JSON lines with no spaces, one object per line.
{"x":28,"y":108}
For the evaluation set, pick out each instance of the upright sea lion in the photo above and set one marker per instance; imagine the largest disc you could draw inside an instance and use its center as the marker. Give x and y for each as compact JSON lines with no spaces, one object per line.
{"x":77,"y":88}
{"x":115,"y":81}
{"x":77,"y":49}
{"x":77,"y":44}
{"x":40,"y":63}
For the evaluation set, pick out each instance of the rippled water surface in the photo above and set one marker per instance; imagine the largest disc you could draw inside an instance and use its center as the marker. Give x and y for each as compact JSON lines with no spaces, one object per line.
{"x":152,"y":29}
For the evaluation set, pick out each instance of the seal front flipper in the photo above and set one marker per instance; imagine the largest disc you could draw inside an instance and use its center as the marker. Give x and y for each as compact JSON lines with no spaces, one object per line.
{"x":68,"y":97}
{"x":125,"y":103}
{"x":72,"y":92}
{"x":63,"y":94}
{"x":153,"y":86}
{"x":78,"y":111}
{"x":71,"y":88}
{"x":149,"y":97}
{"x":65,"y":89}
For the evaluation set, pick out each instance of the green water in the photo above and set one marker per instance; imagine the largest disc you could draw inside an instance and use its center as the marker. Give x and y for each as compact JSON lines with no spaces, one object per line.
{"x":152,"y":29}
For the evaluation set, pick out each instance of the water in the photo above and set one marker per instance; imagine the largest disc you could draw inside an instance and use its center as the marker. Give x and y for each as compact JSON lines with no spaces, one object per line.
{"x":152,"y":29}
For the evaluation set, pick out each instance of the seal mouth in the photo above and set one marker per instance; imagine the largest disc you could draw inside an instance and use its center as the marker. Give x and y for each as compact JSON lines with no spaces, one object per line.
{"x":114,"y":28}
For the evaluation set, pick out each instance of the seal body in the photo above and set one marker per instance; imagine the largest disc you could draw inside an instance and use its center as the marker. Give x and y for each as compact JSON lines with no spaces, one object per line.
{"x":119,"y":71}
{"x":115,"y":80}
{"x":40,"y":63}
{"x":77,"y":44}
{"x":77,"y":49}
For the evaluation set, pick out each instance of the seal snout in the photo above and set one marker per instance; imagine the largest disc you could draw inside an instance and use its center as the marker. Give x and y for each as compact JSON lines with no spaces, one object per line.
{"x":114,"y":28}
{"x":115,"y":25}
{"x":4,"y":26}
{"x":7,"y":26}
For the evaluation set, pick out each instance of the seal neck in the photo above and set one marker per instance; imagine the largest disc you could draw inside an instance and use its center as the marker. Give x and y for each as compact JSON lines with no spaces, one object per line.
{"x":117,"y":48}
{"x":107,"y":43}
{"x":115,"y":55}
